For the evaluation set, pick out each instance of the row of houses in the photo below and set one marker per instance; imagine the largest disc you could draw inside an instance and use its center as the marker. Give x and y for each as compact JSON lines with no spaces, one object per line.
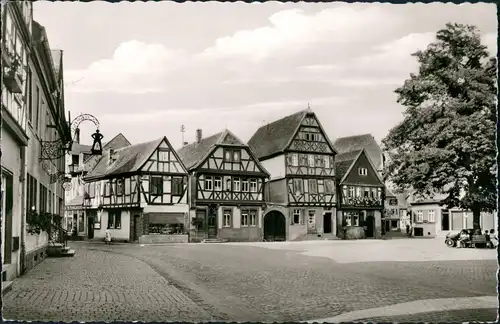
{"x":288,"y":182}
{"x":34,"y":129}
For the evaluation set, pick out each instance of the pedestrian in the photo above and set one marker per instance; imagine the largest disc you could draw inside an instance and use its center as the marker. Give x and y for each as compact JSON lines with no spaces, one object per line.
{"x":107,"y":236}
{"x":464,"y":239}
{"x":493,"y":238}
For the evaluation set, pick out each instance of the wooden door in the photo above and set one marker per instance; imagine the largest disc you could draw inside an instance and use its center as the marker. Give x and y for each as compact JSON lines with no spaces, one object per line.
{"x":90,"y":227}
{"x":370,"y":226}
{"x":136,"y":228}
{"x":327,"y":223}
{"x":212,"y":223}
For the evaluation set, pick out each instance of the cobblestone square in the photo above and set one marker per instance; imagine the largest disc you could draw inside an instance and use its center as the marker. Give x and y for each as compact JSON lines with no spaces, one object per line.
{"x":301,"y":281}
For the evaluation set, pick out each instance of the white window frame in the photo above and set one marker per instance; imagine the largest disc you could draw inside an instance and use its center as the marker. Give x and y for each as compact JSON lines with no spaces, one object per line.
{"x":358,"y":192}
{"x":431,"y":216}
{"x":326,"y":161}
{"x":162,"y":156}
{"x":297,"y":212}
{"x":236,"y":156}
{"x":218,"y":183}
{"x":295,"y":159}
{"x":208,"y":183}
{"x":236,"y":185}
{"x":253,"y":185}
{"x":244,"y":218}
{"x":420,"y":216}
{"x":244,"y":186}
{"x":227,"y":218}
{"x":311,"y":160}
{"x":252,"y":218}
{"x":363,"y":171}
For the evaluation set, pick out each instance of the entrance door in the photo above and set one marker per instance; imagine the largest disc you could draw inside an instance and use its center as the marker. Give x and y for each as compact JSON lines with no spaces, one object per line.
{"x":274,"y":227}
{"x":212,"y":223}
{"x":327,"y":223}
{"x":445,"y":221}
{"x":90,"y":227}
{"x":136,"y":227}
{"x":370,"y":226}
{"x":7,"y":204}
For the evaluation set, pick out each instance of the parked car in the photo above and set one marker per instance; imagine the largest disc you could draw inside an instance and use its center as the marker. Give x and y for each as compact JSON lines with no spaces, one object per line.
{"x":453,"y":237}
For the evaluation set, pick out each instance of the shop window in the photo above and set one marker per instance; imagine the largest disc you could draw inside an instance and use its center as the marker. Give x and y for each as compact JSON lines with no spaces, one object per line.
{"x":114,"y":219}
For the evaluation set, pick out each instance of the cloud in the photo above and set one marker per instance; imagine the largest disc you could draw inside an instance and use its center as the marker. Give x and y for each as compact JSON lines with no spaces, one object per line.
{"x":293,"y":30}
{"x":134,"y":67}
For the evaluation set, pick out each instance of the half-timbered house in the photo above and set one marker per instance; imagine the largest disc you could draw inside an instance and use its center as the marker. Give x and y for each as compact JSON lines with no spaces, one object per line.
{"x":361,"y":196}
{"x":140,"y":193}
{"x":227,"y":184}
{"x":301,"y":192}
{"x":79,"y":219}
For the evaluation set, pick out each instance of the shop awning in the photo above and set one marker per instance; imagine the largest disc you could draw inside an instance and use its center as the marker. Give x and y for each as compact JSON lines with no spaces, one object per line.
{"x":166,"y":218}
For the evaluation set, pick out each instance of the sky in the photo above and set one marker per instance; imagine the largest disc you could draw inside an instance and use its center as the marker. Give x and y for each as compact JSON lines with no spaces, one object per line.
{"x":144,"y":69}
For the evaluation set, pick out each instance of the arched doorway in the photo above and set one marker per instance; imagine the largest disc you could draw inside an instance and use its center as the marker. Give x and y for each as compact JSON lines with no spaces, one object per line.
{"x":274,"y":226}
{"x":370,"y":226}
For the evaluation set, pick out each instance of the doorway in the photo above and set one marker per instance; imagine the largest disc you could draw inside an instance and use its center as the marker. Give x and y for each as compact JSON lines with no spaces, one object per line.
{"x":7,"y":205}
{"x":212,"y":223}
{"x":370,"y":226}
{"x":445,"y":221}
{"x":274,"y":226}
{"x":135,"y":234}
{"x":90,"y":227}
{"x":327,"y":223}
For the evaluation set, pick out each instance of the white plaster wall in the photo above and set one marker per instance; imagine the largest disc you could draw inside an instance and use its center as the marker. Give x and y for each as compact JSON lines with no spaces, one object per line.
{"x":176,"y":208}
{"x":275,"y":166}
{"x":122,"y":233}
{"x":11,"y":160}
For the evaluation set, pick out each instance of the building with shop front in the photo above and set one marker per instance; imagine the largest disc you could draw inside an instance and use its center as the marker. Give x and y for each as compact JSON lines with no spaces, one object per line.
{"x":33,"y":126}
{"x":301,"y":195}
{"x":139,"y":193}
{"x":226,"y":188}
{"x":360,"y":195}
{"x":79,"y":162}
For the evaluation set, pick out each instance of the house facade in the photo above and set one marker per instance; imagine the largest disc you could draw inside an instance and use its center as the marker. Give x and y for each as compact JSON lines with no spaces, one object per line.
{"x":78,"y":163}
{"x":430,"y":219}
{"x":226,"y":188}
{"x":361,"y":196}
{"x":33,"y":117}
{"x":140,"y":193}
{"x":301,"y":193}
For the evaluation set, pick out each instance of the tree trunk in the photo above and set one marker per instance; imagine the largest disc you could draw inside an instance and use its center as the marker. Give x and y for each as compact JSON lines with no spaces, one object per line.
{"x":476,"y":217}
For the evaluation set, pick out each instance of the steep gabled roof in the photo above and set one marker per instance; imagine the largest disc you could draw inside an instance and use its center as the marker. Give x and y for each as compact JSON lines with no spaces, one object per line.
{"x":127,"y":159}
{"x":344,"y":163}
{"x":195,"y":153}
{"x":115,"y":143}
{"x":359,"y":142}
{"x":276,"y":137}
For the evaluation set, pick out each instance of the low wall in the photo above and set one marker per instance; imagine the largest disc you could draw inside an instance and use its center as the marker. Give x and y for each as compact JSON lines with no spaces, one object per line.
{"x":354,"y":233}
{"x":153,"y":239}
{"x":34,"y":257}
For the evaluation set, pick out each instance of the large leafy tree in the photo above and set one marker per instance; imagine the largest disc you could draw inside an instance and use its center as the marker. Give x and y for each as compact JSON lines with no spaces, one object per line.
{"x":446,"y":143}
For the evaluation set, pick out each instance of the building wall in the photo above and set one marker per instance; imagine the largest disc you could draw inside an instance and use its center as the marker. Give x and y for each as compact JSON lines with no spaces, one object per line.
{"x":276,"y":191}
{"x":275,"y":166}
{"x":359,"y":233}
{"x":458,"y":220}
{"x":355,"y":178}
{"x":11,"y":161}
{"x":116,"y":234}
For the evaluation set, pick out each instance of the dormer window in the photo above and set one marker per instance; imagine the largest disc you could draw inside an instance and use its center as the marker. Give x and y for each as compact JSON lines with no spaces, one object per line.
{"x":75,"y":159}
{"x":363,"y":171}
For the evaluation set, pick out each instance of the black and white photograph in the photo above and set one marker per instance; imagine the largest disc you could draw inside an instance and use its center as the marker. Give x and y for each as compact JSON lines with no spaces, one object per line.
{"x":169,"y":161}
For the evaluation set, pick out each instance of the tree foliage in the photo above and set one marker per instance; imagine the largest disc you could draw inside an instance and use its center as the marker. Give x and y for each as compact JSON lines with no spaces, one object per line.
{"x":446,"y":142}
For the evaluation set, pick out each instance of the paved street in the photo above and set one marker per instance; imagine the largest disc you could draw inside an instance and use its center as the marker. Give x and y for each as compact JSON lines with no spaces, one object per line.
{"x":290,"y":281}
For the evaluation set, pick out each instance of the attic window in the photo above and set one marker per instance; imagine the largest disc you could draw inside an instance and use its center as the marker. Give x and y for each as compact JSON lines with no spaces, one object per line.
{"x":363,"y":171}
{"x":231,"y":155}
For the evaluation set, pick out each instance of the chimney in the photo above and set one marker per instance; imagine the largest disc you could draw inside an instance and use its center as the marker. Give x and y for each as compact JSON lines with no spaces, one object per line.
{"x":77,"y":135}
{"x":198,"y":135}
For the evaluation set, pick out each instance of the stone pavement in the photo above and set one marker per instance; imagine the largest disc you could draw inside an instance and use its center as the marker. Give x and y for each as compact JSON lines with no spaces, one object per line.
{"x":241,"y":282}
{"x":94,"y":286}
